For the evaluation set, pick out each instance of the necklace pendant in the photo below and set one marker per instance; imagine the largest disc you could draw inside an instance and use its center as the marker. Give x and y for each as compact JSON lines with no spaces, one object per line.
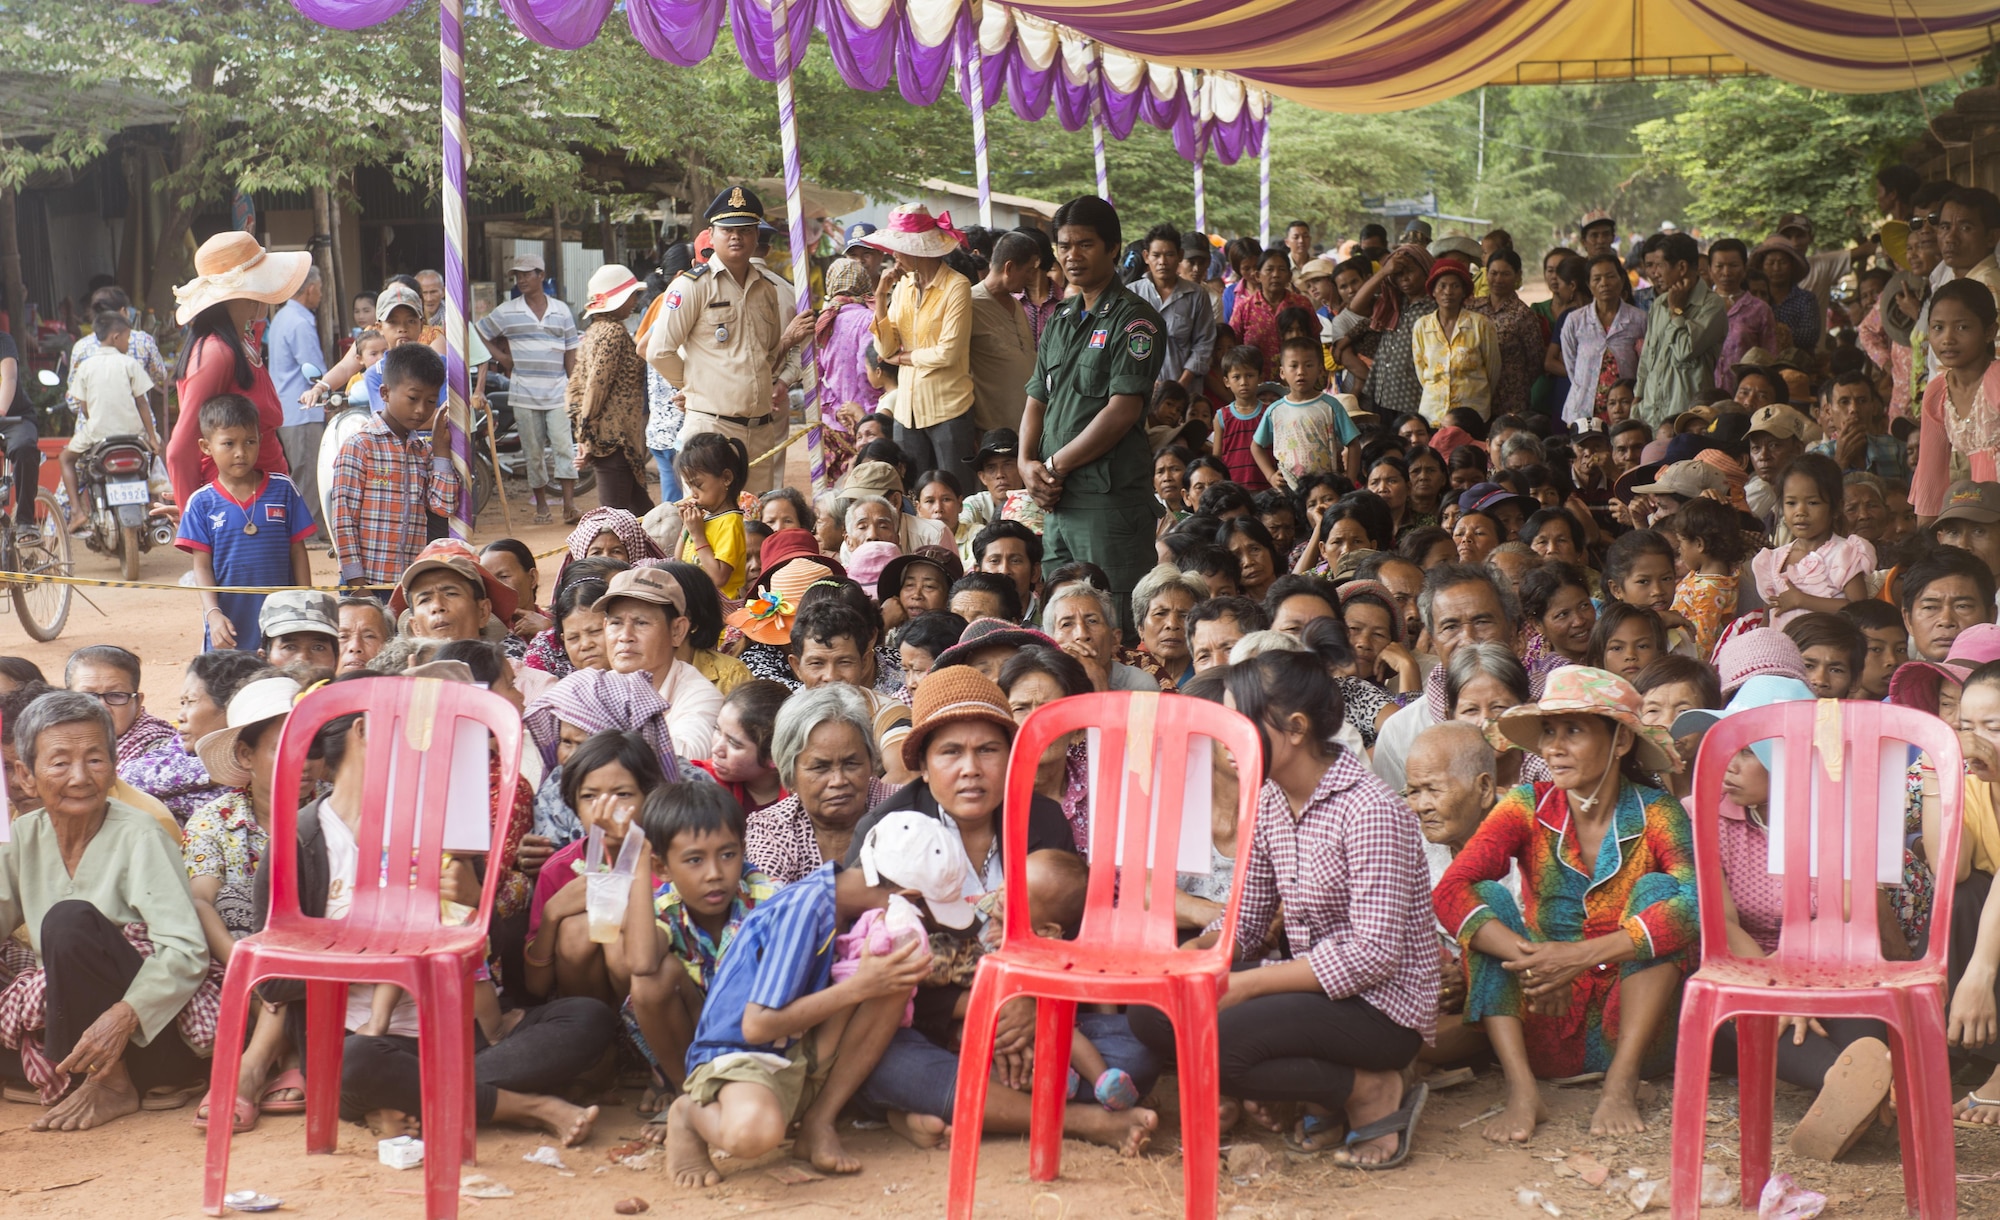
{"x":250,"y":528}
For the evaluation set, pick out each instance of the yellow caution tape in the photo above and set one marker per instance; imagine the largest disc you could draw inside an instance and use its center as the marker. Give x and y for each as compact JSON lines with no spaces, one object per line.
{"x":46,"y":578}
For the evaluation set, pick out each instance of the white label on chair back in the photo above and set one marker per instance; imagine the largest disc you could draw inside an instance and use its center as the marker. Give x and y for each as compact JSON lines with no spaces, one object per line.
{"x":1197,"y":806}
{"x":1888,"y":799}
{"x":468,"y":811}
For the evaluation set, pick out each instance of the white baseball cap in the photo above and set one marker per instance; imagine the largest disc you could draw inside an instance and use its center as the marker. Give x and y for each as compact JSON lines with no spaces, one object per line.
{"x":915,"y":852}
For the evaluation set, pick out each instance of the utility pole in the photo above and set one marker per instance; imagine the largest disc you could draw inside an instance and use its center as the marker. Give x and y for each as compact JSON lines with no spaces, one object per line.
{"x":1479,"y":178}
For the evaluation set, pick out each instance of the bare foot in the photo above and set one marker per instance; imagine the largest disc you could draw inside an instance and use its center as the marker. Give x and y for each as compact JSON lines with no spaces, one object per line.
{"x":655,"y":1130}
{"x":95,"y":1102}
{"x":1516,"y":1123}
{"x":568,"y":1123}
{"x":1228,"y":1112}
{"x":924,"y":1130}
{"x":816,"y":1142}
{"x":1128,"y":1131}
{"x":388,"y":1124}
{"x":1618,"y":1113}
{"x":687,"y":1152}
{"x":1263,"y":1115}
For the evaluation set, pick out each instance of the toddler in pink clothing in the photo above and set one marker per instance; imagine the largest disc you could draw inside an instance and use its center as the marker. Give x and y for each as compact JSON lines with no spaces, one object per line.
{"x":1823,"y":569}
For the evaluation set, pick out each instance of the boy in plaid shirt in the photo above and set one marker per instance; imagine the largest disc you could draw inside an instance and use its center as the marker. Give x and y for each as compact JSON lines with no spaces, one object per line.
{"x":395,"y":468}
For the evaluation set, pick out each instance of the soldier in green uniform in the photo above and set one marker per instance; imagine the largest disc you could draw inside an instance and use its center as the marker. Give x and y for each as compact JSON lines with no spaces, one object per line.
{"x":1084,"y":455}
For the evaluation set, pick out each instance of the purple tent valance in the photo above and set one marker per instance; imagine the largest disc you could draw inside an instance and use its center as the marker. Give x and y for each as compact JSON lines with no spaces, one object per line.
{"x":918,"y":43}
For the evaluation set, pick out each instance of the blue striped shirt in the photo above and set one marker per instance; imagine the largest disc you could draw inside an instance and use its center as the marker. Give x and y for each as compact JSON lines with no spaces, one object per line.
{"x":783,"y":950}
{"x":538,"y":381}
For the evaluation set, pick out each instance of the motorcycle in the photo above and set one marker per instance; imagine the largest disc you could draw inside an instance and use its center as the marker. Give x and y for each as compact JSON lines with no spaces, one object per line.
{"x":124,"y":520}
{"x":345,"y":417}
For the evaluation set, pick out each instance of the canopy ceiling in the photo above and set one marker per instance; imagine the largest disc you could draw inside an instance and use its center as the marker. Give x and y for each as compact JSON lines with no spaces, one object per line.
{"x":1378,"y":55}
{"x":1199,"y":68}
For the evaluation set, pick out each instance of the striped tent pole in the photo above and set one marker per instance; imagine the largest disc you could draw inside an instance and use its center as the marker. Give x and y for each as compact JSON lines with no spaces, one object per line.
{"x":788,"y":141}
{"x":1264,"y":181}
{"x":1200,"y":157}
{"x":975,"y":67}
{"x":1097,"y":138}
{"x":457,"y":297}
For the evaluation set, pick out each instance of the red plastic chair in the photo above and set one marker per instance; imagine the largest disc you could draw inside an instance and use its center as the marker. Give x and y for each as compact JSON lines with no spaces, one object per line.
{"x":393,"y":932}
{"x":1825,"y":966}
{"x":1125,"y":953}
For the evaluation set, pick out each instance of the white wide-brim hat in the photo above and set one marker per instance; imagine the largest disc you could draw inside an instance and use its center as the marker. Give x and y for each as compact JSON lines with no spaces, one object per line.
{"x":233,"y":267}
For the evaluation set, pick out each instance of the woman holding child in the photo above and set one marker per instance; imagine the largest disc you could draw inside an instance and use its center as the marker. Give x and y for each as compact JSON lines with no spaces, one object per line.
{"x":958,"y":748}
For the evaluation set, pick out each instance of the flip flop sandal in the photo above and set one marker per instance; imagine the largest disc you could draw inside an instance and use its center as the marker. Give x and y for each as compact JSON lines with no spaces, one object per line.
{"x":1978,"y":1103}
{"x":21,"y":1094}
{"x":543,"y":517}
{"x":290,"y":1078}
{"x":1565,"y":1082}
{"x":166,"y":1098}
{"x":1316,"y":1131}
{"x":1403,"y":1122}
{"x":243,"y":1119}
{"x":1853,"y":1091}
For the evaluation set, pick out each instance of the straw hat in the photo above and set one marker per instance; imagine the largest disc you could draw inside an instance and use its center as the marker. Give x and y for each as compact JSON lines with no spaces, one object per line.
{"x":912,"y":230}
{"x":1580,"y":689}
{"x":264,"y":699}
{"x":610,"y":286}
{"x":233,"y":267}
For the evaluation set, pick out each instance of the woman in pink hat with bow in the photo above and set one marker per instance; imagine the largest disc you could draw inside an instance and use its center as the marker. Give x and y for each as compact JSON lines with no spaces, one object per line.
{"x":923,"y":324}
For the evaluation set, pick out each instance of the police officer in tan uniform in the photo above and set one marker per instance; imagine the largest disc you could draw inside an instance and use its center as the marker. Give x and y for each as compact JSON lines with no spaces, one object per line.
{"x":727,"y":338}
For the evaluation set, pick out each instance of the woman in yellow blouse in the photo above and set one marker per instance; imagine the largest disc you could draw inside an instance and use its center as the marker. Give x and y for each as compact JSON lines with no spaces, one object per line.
{"x":1456,"y":351}
{"x":923,"y":323}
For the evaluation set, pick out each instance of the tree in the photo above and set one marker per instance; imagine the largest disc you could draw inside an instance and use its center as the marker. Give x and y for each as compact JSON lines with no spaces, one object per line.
{"x":1752,"y":149}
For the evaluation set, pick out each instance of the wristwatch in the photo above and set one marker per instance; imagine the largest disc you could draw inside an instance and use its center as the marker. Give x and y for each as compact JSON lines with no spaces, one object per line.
{"x":1050,"y":462}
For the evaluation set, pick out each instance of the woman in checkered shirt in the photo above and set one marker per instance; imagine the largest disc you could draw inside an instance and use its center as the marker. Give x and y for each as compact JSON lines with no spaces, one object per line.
{"x":1332,"y":1027}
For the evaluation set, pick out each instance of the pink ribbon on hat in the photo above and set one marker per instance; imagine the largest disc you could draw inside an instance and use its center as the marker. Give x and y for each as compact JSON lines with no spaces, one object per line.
{"x":923,"y":222}
{"x":598,"y":299}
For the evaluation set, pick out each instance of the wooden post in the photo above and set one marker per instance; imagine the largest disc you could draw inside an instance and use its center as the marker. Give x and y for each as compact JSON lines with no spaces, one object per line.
{"x":552,"y":249}
{"x":322,"y":250}
{"x":10,"y":275}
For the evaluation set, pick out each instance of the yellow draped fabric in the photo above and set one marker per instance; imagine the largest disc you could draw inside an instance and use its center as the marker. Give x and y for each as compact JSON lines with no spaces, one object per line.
{"x":1381,"y":55}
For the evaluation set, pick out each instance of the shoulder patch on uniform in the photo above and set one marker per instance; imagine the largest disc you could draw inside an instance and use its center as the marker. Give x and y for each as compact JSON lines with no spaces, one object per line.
{"x":1140,"y":344}
{"x":673,"y":298}
{"x":695,"y":272}
{"x":1140,"y":324}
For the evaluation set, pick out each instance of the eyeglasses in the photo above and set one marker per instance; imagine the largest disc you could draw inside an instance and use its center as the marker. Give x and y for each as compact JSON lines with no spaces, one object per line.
{"x":1919,"y":223}
{"x":112,"y":698}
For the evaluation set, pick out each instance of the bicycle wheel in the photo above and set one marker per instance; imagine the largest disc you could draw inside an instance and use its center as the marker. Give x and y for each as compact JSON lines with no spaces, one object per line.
{"x":482,"y":484}
{"x":43,"y":608}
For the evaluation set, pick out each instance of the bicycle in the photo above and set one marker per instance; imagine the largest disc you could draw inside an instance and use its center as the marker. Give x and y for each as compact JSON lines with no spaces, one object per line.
{"x":37,"y":550}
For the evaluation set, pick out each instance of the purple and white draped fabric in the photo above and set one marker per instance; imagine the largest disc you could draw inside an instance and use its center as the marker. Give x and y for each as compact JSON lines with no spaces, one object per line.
{"x":915,"y":42}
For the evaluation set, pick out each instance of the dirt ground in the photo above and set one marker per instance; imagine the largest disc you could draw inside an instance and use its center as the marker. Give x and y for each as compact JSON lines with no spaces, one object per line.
{"x":149,"y":1165}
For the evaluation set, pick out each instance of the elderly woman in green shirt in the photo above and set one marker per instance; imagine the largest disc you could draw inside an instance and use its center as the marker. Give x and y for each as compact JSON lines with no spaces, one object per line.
{"x":95,"y":1023}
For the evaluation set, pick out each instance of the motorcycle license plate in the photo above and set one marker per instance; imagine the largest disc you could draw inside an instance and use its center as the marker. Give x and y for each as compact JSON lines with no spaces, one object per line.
{"x":130,"y":492}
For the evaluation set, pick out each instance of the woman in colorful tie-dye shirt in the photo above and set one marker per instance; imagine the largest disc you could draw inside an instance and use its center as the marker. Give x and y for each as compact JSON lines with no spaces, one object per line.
{"x":1564,"y":982}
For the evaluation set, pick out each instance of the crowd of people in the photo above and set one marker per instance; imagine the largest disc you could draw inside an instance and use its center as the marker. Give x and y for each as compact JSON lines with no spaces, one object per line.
{"x":1481,"y":572}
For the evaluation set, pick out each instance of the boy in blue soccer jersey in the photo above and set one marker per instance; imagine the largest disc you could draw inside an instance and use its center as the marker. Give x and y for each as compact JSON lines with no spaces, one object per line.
{"x":778,"y":1040}
{"x":245,"y":528}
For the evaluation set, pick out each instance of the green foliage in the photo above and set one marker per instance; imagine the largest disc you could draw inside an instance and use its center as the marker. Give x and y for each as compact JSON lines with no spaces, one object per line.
{"x":1753,"y":149}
